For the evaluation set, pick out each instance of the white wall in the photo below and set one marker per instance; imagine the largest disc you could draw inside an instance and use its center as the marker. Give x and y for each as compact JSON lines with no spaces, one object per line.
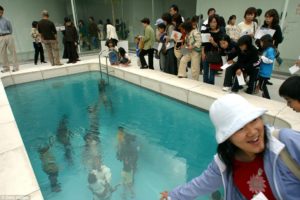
{"x":290,"y":46}
{"x":21,"y":13}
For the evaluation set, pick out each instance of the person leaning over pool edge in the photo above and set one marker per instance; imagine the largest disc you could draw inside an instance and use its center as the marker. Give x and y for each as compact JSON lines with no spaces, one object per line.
{"x":244,"y":140}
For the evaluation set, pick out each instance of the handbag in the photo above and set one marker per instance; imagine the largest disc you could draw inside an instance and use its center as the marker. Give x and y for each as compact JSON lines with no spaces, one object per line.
{"x":213,"y":57}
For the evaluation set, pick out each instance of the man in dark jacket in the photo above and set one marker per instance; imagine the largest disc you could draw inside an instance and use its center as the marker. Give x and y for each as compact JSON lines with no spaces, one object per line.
{"x":93,"y":32}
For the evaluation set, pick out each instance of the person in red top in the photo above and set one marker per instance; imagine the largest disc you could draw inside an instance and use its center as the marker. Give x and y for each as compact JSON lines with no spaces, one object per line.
{"x":250,"y":178}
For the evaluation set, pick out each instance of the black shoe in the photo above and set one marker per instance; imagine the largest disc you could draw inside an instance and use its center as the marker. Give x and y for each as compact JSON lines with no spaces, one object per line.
{"x":43,"y":62}
{"x":269,"y":83}
{"x":145,"y":67}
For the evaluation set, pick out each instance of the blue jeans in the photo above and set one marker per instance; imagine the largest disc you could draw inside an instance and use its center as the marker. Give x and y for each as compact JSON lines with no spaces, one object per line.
{"x":208,"y":74}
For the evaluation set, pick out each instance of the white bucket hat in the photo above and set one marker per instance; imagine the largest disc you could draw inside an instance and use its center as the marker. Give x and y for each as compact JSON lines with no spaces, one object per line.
{"x":230,"y":113}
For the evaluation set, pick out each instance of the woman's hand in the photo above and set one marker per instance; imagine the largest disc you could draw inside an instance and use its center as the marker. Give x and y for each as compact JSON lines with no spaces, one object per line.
{"x":164,"y":195}
{"x":238,"y":72}
{"x":298,"y":63}
{"x":230,"y":62}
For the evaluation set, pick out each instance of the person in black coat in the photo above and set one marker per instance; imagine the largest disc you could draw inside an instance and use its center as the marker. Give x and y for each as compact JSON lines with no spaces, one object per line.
{"x":248,"y":63}
{"x":70,"y":41}
{"x":229,"y":49}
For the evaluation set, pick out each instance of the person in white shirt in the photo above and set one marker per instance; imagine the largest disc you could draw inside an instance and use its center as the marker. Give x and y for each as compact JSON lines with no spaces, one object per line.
{"x":232,"y":29}
{"x":111,"y":33}
{"x":248,"y":26}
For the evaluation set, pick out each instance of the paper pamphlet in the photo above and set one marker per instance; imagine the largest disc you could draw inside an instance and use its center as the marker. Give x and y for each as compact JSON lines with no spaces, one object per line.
{"x":294,"y":69}
{"x":176,"y":35}
{"x":159,"y":46}
{"x":224,"y":59}
{"x":60,"y":28}
{"x":205,"y":37}
{"x":264,"y":31}
{"x":241,"y":79}
{"x":260,"y":196}
{"x":225,"y":66}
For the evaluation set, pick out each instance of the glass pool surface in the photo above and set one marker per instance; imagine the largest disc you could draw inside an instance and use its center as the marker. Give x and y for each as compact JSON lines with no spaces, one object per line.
{"x":118,"y":141}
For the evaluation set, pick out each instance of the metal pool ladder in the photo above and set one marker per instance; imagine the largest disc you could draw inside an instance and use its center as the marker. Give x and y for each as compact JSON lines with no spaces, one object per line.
{"x":102,"y":54}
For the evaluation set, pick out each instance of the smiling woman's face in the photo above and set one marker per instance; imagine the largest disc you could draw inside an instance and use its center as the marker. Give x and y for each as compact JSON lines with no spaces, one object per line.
{"x":250,"y":139}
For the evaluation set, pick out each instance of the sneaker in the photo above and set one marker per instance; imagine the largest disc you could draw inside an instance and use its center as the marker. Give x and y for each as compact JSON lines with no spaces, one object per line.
{"x":226,"y":89}
{"x":269,"y":83}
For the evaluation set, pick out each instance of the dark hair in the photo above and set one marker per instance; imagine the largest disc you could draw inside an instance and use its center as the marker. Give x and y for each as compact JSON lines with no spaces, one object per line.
{"x":273,"y":13}
{"x":258,"y":12}
{"x":162,"y":26}
{"x":122,"y":51}
{"x":195,"y":18}
{"x":250,"y":11}
{"x":175,"y":7}
{"x":34,"y":24}
{"x":226,"y":151}
{"x":67,"y":19}
{"x":187,"y":26}
{"x":91,"y":18}
{"x":225,"y":37}
{"x":245,"y":40}
{"x":100,"y":21}
{"x":1,"y":8}
{"x":216,"y":17}
{"x":177,"y":19}
{"x":167,"y":17}
{"x":81,"y":21}
{"x":291,"y":88}
{"x":146,"y":21}
{"x":267,"y":41}
{"x":231,"y":18}
{"x":211,"y":9}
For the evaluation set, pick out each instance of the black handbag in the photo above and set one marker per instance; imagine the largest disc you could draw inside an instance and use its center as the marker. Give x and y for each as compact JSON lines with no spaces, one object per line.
{"x":213,"y":57}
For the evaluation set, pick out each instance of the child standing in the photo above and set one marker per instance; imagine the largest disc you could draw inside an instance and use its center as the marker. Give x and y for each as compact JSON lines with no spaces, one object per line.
{"x":266,"y":65}
{"x":37,"y":43}
{"x":232,"y":29}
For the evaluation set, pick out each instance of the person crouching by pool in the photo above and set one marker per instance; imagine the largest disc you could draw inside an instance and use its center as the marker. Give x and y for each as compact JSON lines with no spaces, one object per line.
{"x":123,"y":57}
{"x":50,"y":167}
{"x":290,"y":91}
{"x":247,"y":161}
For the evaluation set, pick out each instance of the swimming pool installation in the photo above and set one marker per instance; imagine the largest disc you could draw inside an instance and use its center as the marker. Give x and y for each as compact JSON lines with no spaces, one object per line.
{"x":188,"y":91}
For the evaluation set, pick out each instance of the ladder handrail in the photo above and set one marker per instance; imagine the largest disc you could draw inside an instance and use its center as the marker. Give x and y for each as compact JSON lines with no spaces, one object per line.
{"x":100,"y":65}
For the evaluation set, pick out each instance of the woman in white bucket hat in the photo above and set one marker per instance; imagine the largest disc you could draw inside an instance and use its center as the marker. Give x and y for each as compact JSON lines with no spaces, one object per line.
{"x":249,"y":162}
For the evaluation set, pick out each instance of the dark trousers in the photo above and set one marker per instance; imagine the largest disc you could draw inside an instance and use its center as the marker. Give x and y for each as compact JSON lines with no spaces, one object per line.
{"x":263,"y":87}
{"x":150,"y":57}
{"x":38,"y":49}
{"x":208,"y":73}
{"x":71,"y":51}
{"x":229,"y":75}
{"x":253,"y":73}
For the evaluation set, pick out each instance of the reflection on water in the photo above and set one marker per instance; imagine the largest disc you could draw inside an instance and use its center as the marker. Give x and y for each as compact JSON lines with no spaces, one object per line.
{"x":91,"y":140}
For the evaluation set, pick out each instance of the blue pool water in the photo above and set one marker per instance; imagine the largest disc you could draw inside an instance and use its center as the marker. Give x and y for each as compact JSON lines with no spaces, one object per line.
{"x":69,"y":127}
